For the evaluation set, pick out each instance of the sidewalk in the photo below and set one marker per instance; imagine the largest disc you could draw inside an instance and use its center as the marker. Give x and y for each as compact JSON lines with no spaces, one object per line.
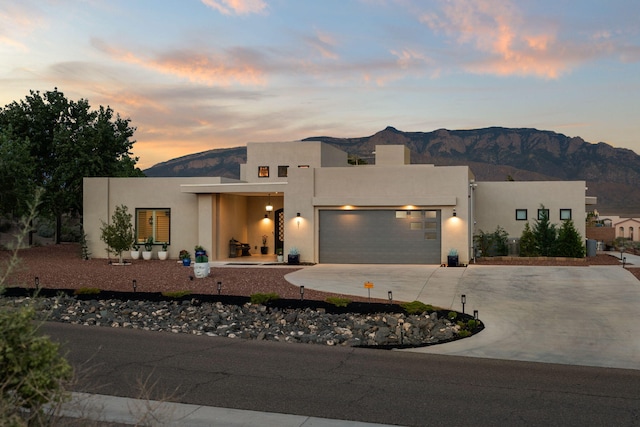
{"x":113,"y":409}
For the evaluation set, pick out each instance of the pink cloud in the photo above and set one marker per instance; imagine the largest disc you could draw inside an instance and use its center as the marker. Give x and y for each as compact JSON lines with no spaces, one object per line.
{"x":499,"y":33}
{"x":211,"y":69}
{"x":237,"y":7}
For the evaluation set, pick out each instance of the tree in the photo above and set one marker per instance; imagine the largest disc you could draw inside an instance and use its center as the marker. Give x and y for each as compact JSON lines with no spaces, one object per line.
{"x":492,"y":244}
{"x":119,"y":235}
{"x":569,"y":242}
{"x":528,"y":242}
{"x":68,"y":141}
{"x":545,"y":234}
{"x":16,"y":172}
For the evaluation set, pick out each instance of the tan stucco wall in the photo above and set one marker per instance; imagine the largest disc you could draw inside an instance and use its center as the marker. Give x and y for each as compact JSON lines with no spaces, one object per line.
{"x":102,"y":195}
{"x":293,"y":154}
{"x":496,"y":203}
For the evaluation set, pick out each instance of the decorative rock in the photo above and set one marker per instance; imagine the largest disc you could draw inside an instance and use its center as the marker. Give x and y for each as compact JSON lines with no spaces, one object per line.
{"x":249,"y":321}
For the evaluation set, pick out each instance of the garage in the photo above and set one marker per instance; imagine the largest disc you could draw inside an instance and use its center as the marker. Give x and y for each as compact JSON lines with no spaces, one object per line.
{"x":380,"y":236}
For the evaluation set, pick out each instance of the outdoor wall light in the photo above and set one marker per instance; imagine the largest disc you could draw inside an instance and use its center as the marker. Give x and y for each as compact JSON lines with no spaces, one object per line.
{"x":135,"y":285}
{"x":463,"y":300}
{"x":298,"y":214}
{"x":269,"y":206}
{"x":454,"y":212}
{"x":301,"y":293}
{"x":266,"y":216}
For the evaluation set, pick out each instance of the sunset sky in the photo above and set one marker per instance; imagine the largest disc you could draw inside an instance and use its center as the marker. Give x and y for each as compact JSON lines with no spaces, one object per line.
{"x":194,"y":75}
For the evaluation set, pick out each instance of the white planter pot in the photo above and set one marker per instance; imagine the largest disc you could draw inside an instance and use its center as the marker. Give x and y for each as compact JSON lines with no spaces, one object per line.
{"x":162,"y":255}
{"x":135,"y":254}
{"x":201,"y":269}
{"x":280,"y":258}
{"x":146,"y":255}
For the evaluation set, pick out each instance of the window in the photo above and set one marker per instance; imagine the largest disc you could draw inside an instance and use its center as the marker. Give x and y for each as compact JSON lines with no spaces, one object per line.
{"x":155,"y":223}
{"x":521,"y":214}
{"x":542,"y":214}
{"x":263,"y":171}
{"x":565,"y":214}
{"x":283,"y":171}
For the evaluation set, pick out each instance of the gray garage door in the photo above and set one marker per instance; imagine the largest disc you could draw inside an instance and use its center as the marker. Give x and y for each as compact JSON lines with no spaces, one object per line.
{"x":380,"y":237}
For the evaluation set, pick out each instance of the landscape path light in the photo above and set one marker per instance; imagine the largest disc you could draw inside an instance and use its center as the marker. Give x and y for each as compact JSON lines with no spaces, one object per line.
{"x":301,"y":293}
{"x":135,"y":284}
{"x":463,"y":300}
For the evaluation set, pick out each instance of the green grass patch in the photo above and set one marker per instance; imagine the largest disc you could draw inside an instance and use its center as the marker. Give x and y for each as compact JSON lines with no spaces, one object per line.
{"x":261,"y":298}
{"x":338,"y":302}
{"x":417,"y":307}
{"x":86,"y":291}
{"x":176,"y":294}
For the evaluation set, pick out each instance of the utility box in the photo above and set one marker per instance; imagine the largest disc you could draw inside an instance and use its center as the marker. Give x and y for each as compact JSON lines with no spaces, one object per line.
{"x":592,"y":247}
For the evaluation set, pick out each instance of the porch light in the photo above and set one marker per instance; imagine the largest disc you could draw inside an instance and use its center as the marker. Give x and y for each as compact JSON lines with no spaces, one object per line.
{"x":454,"y":212}
{"x":269,"y":207}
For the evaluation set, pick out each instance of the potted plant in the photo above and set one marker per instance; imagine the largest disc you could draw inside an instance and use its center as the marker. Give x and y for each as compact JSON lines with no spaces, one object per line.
{"x":294,"y":256}
{"x":185,"y":257}
{"x":201,"y":267}
{"x":198,"y":251}
{"x":452,"y":258}
{"x":163,"y":253}
{"x":264,"y":249}
{"x":279,"y":255}
{"x":135,"y":251}
{"x":148,"y":247}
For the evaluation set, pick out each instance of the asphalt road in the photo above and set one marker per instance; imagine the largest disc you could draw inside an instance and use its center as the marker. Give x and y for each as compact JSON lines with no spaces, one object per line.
{"x":401,"y":388}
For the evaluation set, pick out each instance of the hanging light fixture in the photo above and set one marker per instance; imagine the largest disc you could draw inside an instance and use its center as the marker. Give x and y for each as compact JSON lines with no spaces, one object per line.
{"x":269,"y":207}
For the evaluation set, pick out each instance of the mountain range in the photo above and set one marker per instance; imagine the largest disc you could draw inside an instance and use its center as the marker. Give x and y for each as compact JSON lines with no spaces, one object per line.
{"x":493,"y":154}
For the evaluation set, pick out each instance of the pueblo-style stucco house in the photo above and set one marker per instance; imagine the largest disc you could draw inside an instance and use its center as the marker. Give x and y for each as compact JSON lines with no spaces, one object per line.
{"x":305,"y":195}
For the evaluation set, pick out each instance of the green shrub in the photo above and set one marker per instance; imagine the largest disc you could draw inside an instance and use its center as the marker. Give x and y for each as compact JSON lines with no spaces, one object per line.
{"x":86,"y":291}
{"x":452,"y":315}
{"x":260,"y":298}
{"x":463,"y":333}
{"x":32,"y":372}
{"x":46,"y":230}
{"x":416,"y":307}
{"x":472,"y":324}
{"x":338,"y":302}
{"x":176,"y":294}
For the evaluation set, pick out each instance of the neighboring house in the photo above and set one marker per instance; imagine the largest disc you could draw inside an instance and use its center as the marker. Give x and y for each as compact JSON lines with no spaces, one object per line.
{"x":626,"y":228}
{"x":306,"y":195}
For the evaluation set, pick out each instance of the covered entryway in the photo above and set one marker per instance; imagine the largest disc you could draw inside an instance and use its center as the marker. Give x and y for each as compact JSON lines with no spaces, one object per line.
{"x":380,"y":236}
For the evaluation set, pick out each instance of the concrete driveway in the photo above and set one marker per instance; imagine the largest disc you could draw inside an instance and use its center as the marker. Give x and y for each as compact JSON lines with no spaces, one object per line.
{"x":570,"y":315}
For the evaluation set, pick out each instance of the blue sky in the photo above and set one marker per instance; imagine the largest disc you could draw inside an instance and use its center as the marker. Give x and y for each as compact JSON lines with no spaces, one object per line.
{"x":193,"y":75}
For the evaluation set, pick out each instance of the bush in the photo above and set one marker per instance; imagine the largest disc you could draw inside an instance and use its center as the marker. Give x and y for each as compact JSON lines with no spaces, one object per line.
{"x":492,"y":244}
{"x":260,"y":298}
{"x":46,"y":230}
{"x":32,"y":371}
{"x":176,"y":294}
{"x":452,"y":315}
{"x":338,"y":302}
{"x":416,"y":307}
{"x":86,"y":291}
{"x":569,"y":242}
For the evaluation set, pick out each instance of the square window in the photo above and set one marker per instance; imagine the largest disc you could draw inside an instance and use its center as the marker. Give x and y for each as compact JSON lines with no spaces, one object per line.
{"x":283,"y":171}
{"x":565,"y":214}
{"x":416,"y":226}
{"x":543,"y":214}
{"x":521,"y":214}
{"x":263,"y":171}
{"x":154,"y":223}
